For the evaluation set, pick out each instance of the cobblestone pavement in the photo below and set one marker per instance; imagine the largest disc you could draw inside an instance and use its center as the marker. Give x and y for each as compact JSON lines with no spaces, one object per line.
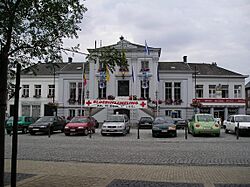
{"x":64,"y":174}
{"x":201,"y":151}
{"x":127,"y":161}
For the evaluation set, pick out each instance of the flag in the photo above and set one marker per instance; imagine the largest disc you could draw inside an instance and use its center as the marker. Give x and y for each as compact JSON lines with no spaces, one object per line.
{"x":84,"y":76}
{"x":133,"y":76}
{"x":146,"y":48}
{"x":157,"y":73}
{"x":107,"y":74}
{"x":84,"y":79}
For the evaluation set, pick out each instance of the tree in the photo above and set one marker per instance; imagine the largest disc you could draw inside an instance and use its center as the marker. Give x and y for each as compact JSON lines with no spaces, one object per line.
{"x":108,"y":57}
{"x":33,"y":29}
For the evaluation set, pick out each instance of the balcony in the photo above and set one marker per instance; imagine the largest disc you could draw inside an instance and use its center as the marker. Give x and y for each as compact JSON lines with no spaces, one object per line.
{"x":25,"y":96}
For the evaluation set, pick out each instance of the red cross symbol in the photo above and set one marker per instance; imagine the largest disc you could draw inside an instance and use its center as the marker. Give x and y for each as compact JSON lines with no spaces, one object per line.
{"x":143,"y":104}
{"x":88,"y":102}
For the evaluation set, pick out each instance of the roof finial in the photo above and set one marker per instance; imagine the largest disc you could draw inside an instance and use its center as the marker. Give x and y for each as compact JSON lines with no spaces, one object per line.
{"x":121,"y":38}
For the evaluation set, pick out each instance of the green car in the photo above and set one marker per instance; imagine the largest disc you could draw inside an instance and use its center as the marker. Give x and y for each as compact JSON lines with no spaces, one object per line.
{"x":203,"y":124}
{"x":23,"y":124}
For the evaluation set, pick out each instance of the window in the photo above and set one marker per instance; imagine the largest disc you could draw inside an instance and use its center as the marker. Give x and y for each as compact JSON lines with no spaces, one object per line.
{"x":168,"y":90}
{"x":80,"y":112}
{"x":237,"y":91}
{"x":25,"y":91}
{"x":144,"y":65}
{"x":38,"y":90}
{"x":224,"y":90}
{"x":36,"y":110}
{"x":248,"y":104}
{"x":80,"y":93}
{"x":102,"y":90}
{"x":145,"y":89}
{"x":25,"y":110}
{"x":177,"y":91}
{"x":51,"y":91}
{"x":72,"y":113}
{"x":199,"y":91}
{"x":72,"y":90}
{"x":248,"y":93}
{"x":212,"y":91}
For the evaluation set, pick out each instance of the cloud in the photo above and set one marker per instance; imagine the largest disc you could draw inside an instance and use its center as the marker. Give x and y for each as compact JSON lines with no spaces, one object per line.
{"x":207,"y":30}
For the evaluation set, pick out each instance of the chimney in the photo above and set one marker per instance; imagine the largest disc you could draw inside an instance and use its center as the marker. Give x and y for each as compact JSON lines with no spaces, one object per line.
{"x":185,"y":59}
{"x":70,"y":59}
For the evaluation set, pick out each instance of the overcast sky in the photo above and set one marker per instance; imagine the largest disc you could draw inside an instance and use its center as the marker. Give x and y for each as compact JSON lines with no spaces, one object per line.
{"x":204,"y":30}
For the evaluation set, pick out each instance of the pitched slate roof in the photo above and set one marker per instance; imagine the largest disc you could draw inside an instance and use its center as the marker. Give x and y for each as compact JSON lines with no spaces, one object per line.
{"x":247,"y":85}
{"x":42,"y":69}
{"x":47,"y":69}
{"x":174,"y":66}
{"x":212,"y":69}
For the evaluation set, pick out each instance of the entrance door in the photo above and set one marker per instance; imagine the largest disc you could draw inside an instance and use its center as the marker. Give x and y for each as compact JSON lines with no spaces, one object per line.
{"x":122,"y":111}
{"x":219,"y":113}
{"x":123,"y":88}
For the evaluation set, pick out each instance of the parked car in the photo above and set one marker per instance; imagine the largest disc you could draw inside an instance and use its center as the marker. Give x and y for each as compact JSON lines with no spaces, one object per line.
{"x":203,"y":124}
{"x":22,"y":124}
{"x":231,"y":124}
{"x":145,"y":122}
{"x":80,"y":125}
{"x":164,"y":126}
{"x":116,"y":124}
{"x":180,"y":123}
{"x":46,"y":123}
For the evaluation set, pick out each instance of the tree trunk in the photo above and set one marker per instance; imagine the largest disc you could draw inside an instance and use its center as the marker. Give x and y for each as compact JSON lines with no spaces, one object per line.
{"x":3,"y":107}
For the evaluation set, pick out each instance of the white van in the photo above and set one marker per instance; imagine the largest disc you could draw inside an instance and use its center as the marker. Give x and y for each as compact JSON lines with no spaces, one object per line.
{"x":116,"y":124}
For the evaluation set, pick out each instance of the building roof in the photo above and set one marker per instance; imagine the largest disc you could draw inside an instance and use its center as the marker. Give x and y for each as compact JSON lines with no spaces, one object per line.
{"x":174,"y":66}
{"x":212,"y":70}
{"x":128,"y":46}
{"x":247,"y":85}
{"x":47,"y":69}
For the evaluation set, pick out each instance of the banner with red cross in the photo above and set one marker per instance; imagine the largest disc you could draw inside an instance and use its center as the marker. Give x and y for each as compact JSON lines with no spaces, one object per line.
{"x":105,"y":103}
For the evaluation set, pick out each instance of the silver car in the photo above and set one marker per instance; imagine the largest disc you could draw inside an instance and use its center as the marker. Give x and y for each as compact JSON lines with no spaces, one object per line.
{"x":116,"y":124}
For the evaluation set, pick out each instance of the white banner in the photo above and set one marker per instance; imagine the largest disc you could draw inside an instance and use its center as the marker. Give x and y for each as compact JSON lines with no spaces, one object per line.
{"x":104,"y":103}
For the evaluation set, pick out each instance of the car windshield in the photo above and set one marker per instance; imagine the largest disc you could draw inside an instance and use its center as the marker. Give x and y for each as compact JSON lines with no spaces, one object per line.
{"x":12,"y":118}
{"x":205,"y":118}
{"x":242,"y":118}
{"x":161,"y":120}
{"x":146,"y":119}
{"x":46,"y":118}
{"x":115,"y":118}
{"x":79,"y":120}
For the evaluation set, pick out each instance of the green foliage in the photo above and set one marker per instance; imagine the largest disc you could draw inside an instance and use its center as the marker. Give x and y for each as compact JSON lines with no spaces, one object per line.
{"x":36,"y":28}
{"x":109,"y":57}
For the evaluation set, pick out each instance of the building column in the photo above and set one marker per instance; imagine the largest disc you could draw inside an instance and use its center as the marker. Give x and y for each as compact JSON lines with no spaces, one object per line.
{"x":212,"y":111}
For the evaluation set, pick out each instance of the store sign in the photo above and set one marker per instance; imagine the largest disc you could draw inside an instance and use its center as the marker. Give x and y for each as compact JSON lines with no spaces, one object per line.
{"x":104,"y":103}
{"x":222,"y":100}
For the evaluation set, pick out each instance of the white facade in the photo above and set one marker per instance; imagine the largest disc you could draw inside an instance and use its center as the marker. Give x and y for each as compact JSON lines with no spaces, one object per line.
{"x":174,"y":91}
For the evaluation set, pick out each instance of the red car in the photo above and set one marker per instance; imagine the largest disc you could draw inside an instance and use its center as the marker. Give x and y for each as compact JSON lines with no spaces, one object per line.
{"x":80,"y":125}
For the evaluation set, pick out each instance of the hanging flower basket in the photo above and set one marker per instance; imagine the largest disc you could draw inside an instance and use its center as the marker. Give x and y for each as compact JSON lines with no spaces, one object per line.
{"x":196,"y":104}
{"x":169,"y":102}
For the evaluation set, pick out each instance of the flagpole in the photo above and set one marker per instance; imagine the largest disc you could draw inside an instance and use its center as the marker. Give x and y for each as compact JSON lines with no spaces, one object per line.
{"x":82,"y":93}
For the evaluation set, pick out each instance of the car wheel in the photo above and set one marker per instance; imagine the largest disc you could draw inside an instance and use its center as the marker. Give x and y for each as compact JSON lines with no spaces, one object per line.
{"x":174,"y":134}
{"x":32,"y":133}
{"x":8,"y":131}
{"x":67,"y":134}
{"x":84,"y":132}
{"x":24,"y":131}
{"x":217,"y":135}
{"x":93,"y":130}
{"x":226,"y":131}
{"x":189,"y":132}
{"x":103,"y":134}
{"x":128,"y":130}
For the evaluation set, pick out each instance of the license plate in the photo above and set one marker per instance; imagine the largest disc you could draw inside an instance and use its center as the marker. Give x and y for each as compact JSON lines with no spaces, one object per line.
{"x":111,"y":130}
{"x":72,"y":130}
{"x":35,"y":129}
{"x":164,"y":131}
